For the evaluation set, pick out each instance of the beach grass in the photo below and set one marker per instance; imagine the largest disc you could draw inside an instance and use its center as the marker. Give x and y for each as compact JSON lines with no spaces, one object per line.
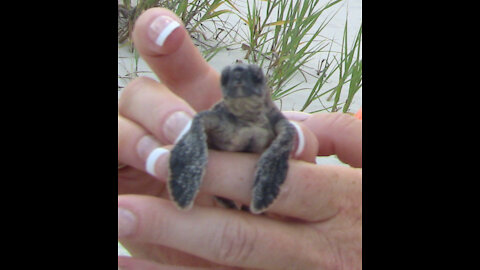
{"x":283,"y":37}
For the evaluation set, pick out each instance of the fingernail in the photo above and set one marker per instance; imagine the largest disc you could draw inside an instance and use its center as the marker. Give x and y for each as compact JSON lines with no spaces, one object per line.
{"x":146,"y":145}
{"x":127,"y":222}
{"x":301,"y":139}
{"x":161,"y":28}
{"x":176,"y":125}
{"x":152,"y":159}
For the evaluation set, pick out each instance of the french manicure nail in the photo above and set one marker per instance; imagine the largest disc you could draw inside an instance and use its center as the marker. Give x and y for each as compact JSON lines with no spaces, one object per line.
{"x":301,"y":139}
{"x":176,"y":126}
{"x":127,"y":222}
{"x":161,"y":28}
{"x":153,"y":158}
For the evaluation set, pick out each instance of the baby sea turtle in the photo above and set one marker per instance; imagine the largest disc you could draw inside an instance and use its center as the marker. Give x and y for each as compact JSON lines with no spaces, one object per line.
{"x":246,"y":120}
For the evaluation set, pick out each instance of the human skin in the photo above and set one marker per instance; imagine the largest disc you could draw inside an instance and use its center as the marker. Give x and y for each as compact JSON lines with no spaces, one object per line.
{"x":316,"y":221}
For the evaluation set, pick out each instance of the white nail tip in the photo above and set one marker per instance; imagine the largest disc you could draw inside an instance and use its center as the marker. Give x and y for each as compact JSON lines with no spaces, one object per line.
{"x":301,"y":139}
{"x":152,"y":159}
{"x":184,"y":130}
{"x":166,"y":32}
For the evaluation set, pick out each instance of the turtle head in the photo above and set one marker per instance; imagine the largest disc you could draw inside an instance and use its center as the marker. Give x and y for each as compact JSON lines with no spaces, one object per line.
{"x":243,"y":81}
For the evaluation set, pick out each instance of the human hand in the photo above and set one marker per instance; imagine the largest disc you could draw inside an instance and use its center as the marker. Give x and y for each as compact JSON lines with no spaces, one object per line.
{"x":316,"y":220}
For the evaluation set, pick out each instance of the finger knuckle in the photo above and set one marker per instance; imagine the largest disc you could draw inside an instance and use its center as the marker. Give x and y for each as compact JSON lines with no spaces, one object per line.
{"x":236,"y":241}
{"x":137,"y":84}
{"x":304,"y":200}
{"x":328,"y":255}
{"x":336,"y":248}
{"x":343,"y":121}
{"x":133,"y":88}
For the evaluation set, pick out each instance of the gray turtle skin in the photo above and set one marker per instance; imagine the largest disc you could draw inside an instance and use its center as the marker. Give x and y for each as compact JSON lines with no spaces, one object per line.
{"x":246,"y":120}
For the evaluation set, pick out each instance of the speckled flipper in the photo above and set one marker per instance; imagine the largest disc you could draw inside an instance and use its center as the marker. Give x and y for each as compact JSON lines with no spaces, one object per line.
{"x":271,"y":169}
{"x":188,"y":160}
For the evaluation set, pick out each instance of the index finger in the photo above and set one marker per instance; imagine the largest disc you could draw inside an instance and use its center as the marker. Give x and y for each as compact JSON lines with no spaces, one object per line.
{"x":163,"y":42}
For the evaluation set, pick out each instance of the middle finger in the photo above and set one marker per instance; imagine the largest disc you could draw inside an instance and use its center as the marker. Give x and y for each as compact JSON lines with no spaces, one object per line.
{"x":310,"y":192}
{"x":154,"y":107}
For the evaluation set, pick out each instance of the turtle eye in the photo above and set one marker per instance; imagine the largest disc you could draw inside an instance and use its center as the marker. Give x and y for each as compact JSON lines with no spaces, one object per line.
{"x":224,"y":76}
{"x":257,"y":74}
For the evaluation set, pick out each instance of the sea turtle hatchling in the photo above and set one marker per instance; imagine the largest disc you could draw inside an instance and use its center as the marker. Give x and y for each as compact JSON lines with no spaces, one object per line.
{"x":246,"y":120}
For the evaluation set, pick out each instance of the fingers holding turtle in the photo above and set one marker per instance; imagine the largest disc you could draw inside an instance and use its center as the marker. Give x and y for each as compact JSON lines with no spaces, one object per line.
{"x":246,"y":120}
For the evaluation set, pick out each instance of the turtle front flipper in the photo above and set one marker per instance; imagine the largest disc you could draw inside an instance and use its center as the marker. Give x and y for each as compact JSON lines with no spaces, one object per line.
{"x":188,"y":160}
{"x":272,"y":168}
